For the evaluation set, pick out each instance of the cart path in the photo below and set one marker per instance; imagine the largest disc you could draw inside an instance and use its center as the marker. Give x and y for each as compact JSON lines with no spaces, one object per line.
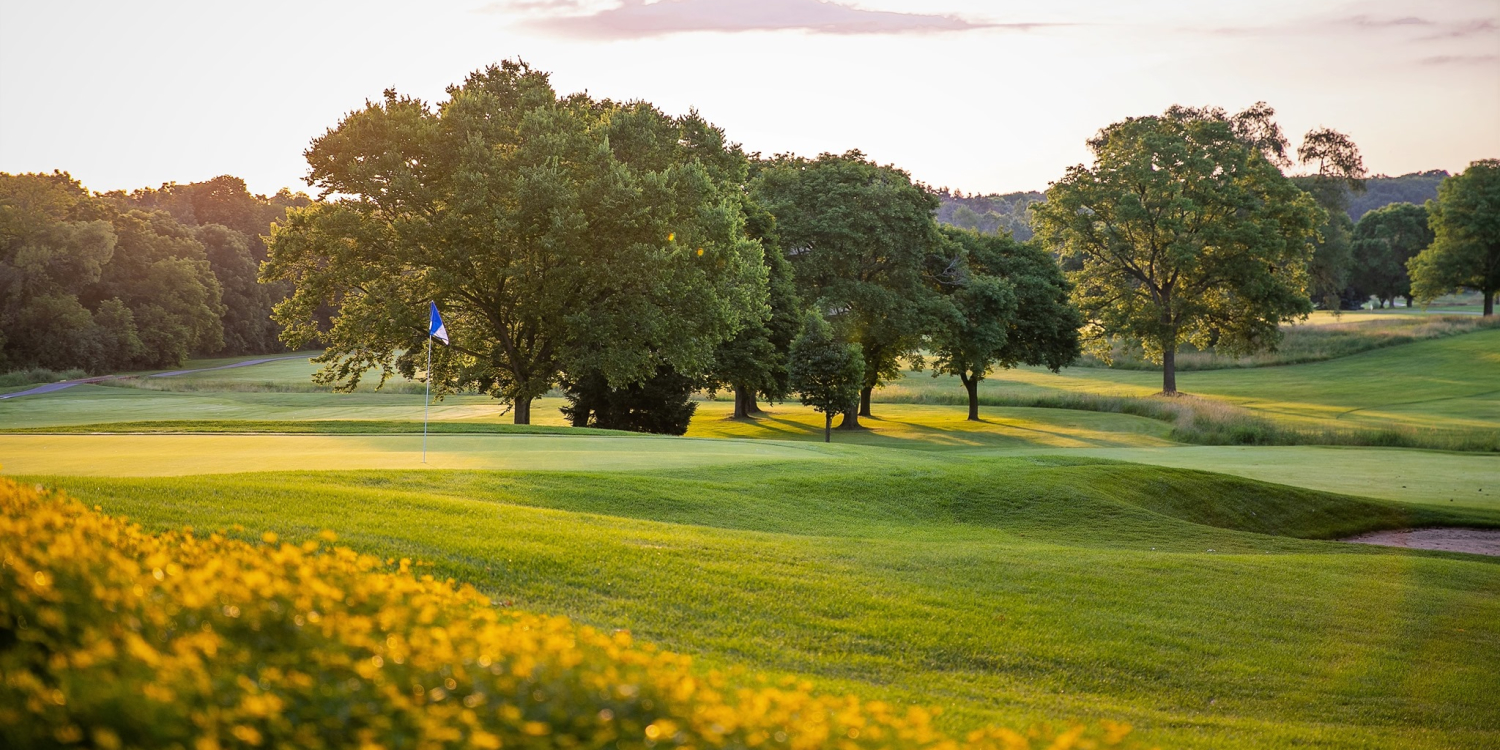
{"x":53,"y":387}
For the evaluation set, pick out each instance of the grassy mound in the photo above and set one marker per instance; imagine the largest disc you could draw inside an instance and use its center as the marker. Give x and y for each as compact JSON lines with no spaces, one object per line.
{"x":112,"y":637}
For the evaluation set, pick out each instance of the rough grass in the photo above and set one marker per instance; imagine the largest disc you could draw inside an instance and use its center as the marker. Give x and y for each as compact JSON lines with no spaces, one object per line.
{"x":1196,"y":606}
{"x":38,"y":375}
{"x":1203,"y":421}
{"x":1316,"y":343}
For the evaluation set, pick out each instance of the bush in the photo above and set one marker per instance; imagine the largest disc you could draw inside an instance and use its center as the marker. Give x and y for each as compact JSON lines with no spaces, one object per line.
{"x":38,"y":375}
{"x":114,"y":637}
{"x":662,"y":404}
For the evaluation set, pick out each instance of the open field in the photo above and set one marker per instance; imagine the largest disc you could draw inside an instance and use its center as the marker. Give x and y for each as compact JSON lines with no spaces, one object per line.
{"x":1441,"y":384}
{"x":1003,"y":589}
{"x":1321,"y":338}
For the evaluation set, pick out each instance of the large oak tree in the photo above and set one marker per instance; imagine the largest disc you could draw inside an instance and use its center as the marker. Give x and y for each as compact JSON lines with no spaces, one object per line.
{"x":1010,"y":306}
{"x":556,"y":234}
{"x":1384,"y":240}
{"x":1181,"y":231}
{"x":858,"y":236}
{"x":1465,"y":252}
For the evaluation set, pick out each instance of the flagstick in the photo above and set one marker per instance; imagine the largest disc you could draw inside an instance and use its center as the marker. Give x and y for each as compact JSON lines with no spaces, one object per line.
{"x":427,"y":403}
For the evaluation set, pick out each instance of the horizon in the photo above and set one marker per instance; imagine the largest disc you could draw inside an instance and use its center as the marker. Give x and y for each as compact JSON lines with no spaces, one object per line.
{"x":242,"y":91}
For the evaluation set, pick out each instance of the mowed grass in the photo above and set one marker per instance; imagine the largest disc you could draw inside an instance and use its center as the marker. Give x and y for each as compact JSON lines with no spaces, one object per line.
{"x":1006,"y":590}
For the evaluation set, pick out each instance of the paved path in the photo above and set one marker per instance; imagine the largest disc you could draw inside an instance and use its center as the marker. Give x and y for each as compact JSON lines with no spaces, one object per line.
{"x":51,"y":387}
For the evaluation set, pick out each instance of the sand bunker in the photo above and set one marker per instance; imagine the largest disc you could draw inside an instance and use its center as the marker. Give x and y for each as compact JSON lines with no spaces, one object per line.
{"x":1476,"y":541}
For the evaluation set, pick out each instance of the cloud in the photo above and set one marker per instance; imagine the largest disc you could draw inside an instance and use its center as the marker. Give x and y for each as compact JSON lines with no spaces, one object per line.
{"x":1460,"y":60}
{"x":637,"y":18}
{"x":1467,"y":28}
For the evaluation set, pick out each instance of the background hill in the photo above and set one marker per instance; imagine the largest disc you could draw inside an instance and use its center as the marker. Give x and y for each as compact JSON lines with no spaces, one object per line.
{"x":990,"y":213}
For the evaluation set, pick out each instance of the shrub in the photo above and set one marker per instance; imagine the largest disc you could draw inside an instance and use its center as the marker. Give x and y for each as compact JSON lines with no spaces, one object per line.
{"x":38,"y":375}
{"x":113,"y":637}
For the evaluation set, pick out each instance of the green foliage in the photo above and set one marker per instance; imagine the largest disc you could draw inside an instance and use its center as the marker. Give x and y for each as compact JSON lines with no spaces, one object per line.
{"x":754,"y":362}
{"x":825,"y":371}
{"x":858,"y":236}
{"x":1384,"y":240}
{"x":38,"y":375}
{"x":1465,"y":252}
{"x":661,"y":403}
{"x":556,"y":234}
{"x":1181,"y":232}
{"x":1010,"y":306}
{"x":89,"y":286}
{"x":230,"y":222}
{"x":1332,"y":250}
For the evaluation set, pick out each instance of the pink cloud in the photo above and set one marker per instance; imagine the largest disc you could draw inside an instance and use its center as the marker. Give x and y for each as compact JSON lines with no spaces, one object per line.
{"x":637,"y":18}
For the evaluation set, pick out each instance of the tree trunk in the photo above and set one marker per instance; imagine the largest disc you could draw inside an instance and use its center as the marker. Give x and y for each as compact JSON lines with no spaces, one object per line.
{"x":827,"y":427}
{"x":1489,"y":302}
{"x":1169,"y":370}
{"x":972,"y":386}
{"x":740,"y":397}
{"x":851,"y":420}
{"x":864,"y":401}
{"x":522,"y":410}
{"x":1409,"y":300}
{"x":751,"y":405}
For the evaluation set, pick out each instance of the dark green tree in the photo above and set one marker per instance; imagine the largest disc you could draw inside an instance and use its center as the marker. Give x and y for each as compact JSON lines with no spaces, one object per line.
{"x":753,"y":363}
{"x":1180,"y":231}
{"x":1010,"y":307}
{"x":1465,"y":251}
{"x":826,"y":371}
{"x":858,"y":235}
{"x":660,"y":404}
{"x":1384,"y":240}
{"x":83,"y":284}
{"x":1338,"y":169}
{"x":557,"y":234}
{"x":231,"y":223}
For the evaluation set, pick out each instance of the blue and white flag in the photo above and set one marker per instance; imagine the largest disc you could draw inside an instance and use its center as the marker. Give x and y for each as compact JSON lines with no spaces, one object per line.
{"x":435,"y":327}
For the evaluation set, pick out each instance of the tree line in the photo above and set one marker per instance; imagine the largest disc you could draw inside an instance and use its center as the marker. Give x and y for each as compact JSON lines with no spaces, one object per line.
{"x":139,"y":280}
{"x":631,"y":258}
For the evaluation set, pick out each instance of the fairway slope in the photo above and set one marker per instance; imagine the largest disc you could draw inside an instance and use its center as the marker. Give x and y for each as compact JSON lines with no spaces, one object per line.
{"x":1003,"y":589}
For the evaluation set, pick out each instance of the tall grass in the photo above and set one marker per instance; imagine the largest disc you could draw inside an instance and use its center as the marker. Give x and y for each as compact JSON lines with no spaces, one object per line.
{"x":38,"y":375}
{"x":1203,"y":421}
{"x":1314,"y":343}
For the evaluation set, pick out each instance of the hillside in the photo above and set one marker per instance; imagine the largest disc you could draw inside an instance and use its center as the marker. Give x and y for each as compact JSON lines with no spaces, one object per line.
{"x":996,"y":211}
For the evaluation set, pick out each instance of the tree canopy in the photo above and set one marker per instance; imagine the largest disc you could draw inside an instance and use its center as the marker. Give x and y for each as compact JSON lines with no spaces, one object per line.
{"x":1384,"y":240}
{"x":556,"y":233}
{"x":84,"y":284}
{"x":826,"y":371}
{"x":858,"y":236}
{"x":1010,"y":306}
{"x":1465,"y":251}
{"x":1181,"y":231}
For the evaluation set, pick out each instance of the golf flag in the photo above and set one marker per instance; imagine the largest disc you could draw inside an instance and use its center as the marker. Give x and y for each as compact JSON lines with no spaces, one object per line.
{"x":435,"y":327}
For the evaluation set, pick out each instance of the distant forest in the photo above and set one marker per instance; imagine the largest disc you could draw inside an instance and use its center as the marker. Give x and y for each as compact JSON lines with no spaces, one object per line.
{"x":988,"y":214}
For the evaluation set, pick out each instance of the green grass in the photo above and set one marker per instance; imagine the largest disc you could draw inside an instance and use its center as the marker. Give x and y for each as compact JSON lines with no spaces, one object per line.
{"x":1442,"y":384}
{"x":1319,"y":340}
{"x":1197,"y":606}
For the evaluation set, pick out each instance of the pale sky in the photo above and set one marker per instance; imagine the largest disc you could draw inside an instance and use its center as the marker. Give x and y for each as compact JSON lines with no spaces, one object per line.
{"x":983,"y":96}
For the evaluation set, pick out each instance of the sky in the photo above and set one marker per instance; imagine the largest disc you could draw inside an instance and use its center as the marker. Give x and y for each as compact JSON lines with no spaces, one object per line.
{"x":977,"y":95}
